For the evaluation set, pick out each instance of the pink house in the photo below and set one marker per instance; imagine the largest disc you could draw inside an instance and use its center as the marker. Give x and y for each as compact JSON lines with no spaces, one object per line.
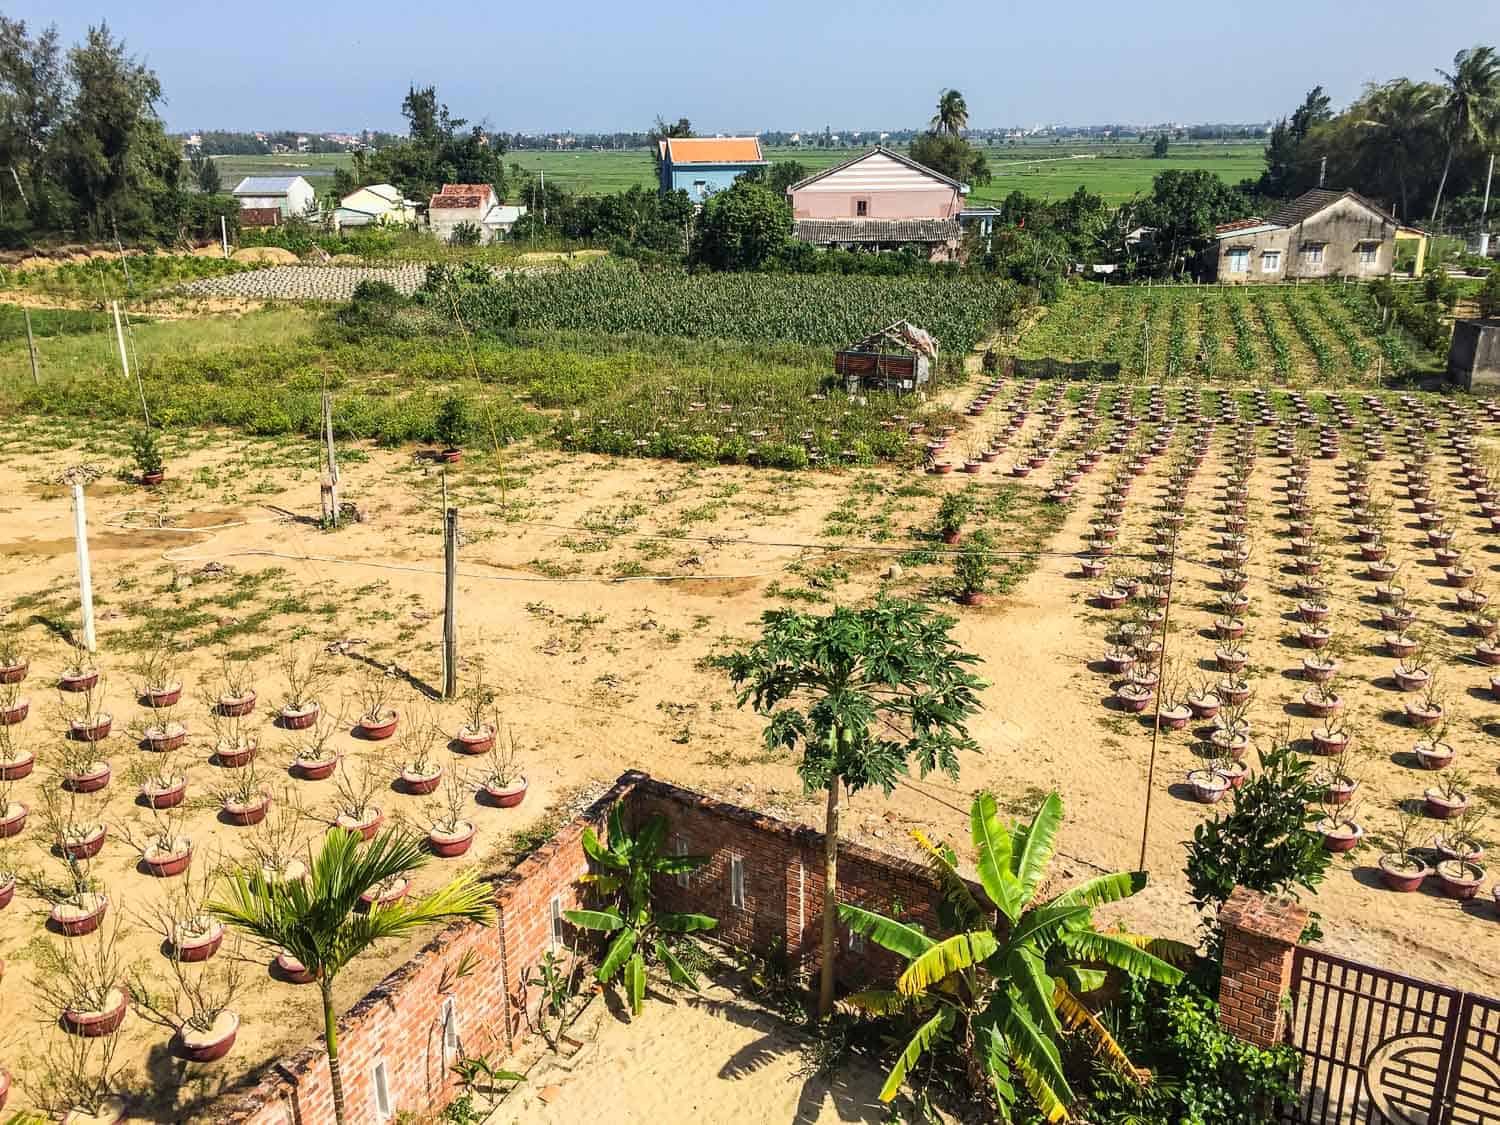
{"x":879,"y":200}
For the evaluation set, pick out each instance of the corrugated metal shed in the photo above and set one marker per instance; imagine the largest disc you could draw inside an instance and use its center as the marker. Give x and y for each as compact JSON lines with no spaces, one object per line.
{"x":265,"y":185}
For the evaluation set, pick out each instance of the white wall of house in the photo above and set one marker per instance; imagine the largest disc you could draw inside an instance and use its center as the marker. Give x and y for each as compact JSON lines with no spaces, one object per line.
{"x":299,"y":196}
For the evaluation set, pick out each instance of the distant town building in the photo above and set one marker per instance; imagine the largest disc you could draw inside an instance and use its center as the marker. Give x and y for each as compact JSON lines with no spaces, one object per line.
{"x":880,"y":200}
{"x":375,"y":205}
{"x":1321,"y":233}
{"x":701,"y":166}
{"x":267,"y":201}
{"x":477,"y":204}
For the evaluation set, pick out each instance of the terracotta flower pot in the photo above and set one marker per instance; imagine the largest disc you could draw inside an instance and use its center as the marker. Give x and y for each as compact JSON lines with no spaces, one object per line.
{"x":236,"y":706}
{"x":315,"y":769}
{"x":14,"y":769}
{"x":1423,"y":717}
{"x":89,"y":781}
{"x":86,"y":846}
{"x":377,"y":728}
{"x":78,"y":681}
{"x":7,"y":892}
{"x":1229,"y":661}
{"x":1339,"y":792}
{"x":971,"y":597}
{"x":1433,"y":756}
{"x":164,"y":696}
{"x":450,"y":456}
{"x":1459,"y":879}
{"x":1340,"y":836}
{"x":1208,"y":786}
{"x":299,"y":718}
{"x":201,"y":1046}
{"x":1175,"y":718}
{"x":167,"y":862}
{"x":294,"y":970}
{"x":1403,"y":877}
{"x":391,"y":894}
{"x":1322,"y":707}
{"x":164,"y":741}
{"x":111,"y":1112}
{"x":244,"y":814}
{"x":447,"y":845}
{"x":1443,"y":808}
{"x":13,"y":819}
{"x":153,"y":478}
{"x":421,"y":784}
{"x":105,"y":1021}
{"x":91,"y":730}
{"x":169,"y":796}
{"x":81,"y":915}
{"x":1231,"y":693}
{"x":1411,"y":681}
{"x":366,"y":825}
{"x":1204,"y":707}
{"x":1472,"y":852}
{"x":507,"y":796}
{"x":198,"y":942}
{"x":14,"y":673}
{"x":16,"y":712}
{"x":235,"y":757}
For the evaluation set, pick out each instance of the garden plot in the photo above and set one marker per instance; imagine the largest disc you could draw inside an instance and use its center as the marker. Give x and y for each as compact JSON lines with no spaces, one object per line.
{"x":307,"y":283}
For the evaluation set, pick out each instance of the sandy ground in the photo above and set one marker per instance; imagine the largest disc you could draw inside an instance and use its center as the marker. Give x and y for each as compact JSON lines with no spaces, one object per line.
{"x":710,"y":1057}
{"x":596,"y":675}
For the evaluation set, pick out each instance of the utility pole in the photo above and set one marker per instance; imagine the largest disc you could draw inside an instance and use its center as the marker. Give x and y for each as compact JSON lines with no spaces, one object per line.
{"x":85,"y":579}
{"x":450,"y":602}
{"x":330,"y":483}
{"x":224,"y":236}
{"x":31,"y":349}
{"x":1484,"y":235}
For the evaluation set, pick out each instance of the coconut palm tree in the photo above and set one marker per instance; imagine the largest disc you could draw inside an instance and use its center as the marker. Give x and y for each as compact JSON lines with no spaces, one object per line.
{"x":952,"y":113}
{"x":1007,"y":992}
{"x":1399,"y":120}
{"x":314,"y":920}
{"x":1471,"y":102}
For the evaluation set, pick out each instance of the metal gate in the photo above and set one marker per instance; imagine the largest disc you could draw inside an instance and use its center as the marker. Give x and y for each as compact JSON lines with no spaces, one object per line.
{"x":1379,"y":1048}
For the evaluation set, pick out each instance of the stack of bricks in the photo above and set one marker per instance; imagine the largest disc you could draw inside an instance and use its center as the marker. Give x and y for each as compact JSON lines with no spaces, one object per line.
{"x":763,"y":882}
{"x":1260,"y":938}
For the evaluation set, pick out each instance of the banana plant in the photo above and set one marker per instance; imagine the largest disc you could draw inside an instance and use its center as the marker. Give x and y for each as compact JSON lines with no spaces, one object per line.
{"x":1008,"y":985}
{"x":626,"y":868}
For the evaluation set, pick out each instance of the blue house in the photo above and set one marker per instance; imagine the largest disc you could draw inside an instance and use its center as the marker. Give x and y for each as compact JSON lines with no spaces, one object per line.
{"x":701,"y":166}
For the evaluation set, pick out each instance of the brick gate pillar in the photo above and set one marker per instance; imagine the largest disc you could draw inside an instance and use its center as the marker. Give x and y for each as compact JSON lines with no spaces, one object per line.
{"x":1260,"y":935}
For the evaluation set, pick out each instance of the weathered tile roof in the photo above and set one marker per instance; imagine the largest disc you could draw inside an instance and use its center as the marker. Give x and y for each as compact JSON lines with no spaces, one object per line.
{"x":1309,"y":203}
{"x":461,"y":196}
{"x":877,"y":230}
{"x":1238,"y":224}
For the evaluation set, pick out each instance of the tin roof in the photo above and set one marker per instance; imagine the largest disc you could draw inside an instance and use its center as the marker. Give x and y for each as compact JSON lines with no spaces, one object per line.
{"x":882,"y":151}
{"x":713,"y":150}
{"x":266,"y":185}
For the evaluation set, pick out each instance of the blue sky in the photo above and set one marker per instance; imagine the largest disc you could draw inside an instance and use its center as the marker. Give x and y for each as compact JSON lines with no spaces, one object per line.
{"x":797,"y":64}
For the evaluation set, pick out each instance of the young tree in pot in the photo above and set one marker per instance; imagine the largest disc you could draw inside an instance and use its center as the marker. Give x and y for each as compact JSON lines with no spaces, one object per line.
{"x":481,"y":723}
{"x":81,"y":983}
{"x":355,"y":789}
{"x":234,"y":694}
{"x":1004,"y":992}
{"x":1427,"y":711}
{"x":88,"y":717}
{"x":14,"y":706}
{"x":164,"y":850}
{"x":453,"y":426}
{"x":450,"y":832}
{"x":16,"y":761}
{"x":1461,"y":837}
{"x":196,"y":1006}
{"x":276,"y":848}
{"x":503,"y":782}
{"x":161,"y":731}
{"x":146,"y":451}
{"x":307,"y":675}
{"x":80,"y":669}
{"x":14,"y":662}
{"x":625,"y":868}
{"x":421,"y":772}
{"x":377,"y":714}
{"x":1209,"y":781}
{"x":954,"y":511}
{"x":243,"y":797}
{"x":863,"y":693}
{"x":1435,"y":752}
{"x":1337,"y":777}
{"x":1449,"y":798}
{"x":180,"y":916}
{"x":315,"y":919}
{"x":156,"y":677}
{"x":315,"y":756}
{"x":1402,"y":868}
{"x":236,"y":738}
{"x":972,"y":568}
{"x":1202,"y":700}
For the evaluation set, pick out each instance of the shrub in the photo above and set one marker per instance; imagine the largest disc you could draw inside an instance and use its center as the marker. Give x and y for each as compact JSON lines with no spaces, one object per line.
{"x":146,"y":451}
{"x":453,"y":424}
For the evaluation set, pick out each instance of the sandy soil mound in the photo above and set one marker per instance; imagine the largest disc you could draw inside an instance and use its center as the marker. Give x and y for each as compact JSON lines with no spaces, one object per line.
{"x":274,"y":255}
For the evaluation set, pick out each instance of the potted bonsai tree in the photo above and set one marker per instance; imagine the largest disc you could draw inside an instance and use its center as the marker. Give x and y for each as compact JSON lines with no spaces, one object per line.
{"x":1460,"y":874}
{"x":89,"y":719}
{"x":1460,"y":838}
{"x":1208,"y":782}
{"x":160,"y":780}
{"x":234,"y":695}
{"x":1426,"y":711}
{"x":1402,"y":868}
{"x":16,"y":761}
{"x":14,"y":662}
{"x":315,"y":757}
{"x":1449,"y":798}
{"x":236,"y":738}
{"x":156,"y":679}
{"x":306,"y":675}
{"x":1323,"y":700}
{"x":196,"y":1007}
{"x":354,"y":799}
{"x":14,"y":707}
{"x":163,"y":849}
{"x":451,"y":832}
{"x":954,"y":510}
{"x":244,"y":800}
{"x":82,"y":768}
{"x":1202,"y":700}
{"x":503,"y":781}
{"x":1337,"y":778}
{"x":84,"y":982}
{"x":477,"y":734}
{"x":453,"y":427}
{"x":1435,"y":751}
{"x":162,"y":732}
{"x":146,"y":451}
{"x":1340,"y":831}
{"x":420,"y":770}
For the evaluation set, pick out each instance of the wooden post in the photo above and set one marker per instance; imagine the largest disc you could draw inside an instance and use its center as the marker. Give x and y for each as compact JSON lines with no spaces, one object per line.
{"x":85,"y":579}
{"x":31,"y":348}
{"x":1161,"y":676}
{"x":450,"y":603}
{"x":330,"y":482}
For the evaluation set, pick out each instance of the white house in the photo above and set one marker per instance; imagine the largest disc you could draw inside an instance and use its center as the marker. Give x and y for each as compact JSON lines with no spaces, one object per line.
{"x":267,"y":200}
{"x":475,"y":204}
{"x":375,"y":205}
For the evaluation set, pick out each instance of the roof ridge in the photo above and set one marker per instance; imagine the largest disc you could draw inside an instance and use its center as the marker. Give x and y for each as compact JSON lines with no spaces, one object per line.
{"x":869,"y":152}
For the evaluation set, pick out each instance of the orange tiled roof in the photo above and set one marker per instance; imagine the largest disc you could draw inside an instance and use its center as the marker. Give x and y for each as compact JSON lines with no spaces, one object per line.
{"x":714,"y":150}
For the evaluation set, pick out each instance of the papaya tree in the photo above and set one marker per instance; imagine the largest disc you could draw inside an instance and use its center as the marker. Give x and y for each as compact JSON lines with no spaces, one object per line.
{"x":1015,"y":977}
{"x":627,"y":866}
{"x":863,"y":693}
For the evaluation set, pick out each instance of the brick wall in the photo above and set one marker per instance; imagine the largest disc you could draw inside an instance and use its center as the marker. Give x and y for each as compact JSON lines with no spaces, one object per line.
{"x":400,"y":1022}
{"x":1260,"y":935}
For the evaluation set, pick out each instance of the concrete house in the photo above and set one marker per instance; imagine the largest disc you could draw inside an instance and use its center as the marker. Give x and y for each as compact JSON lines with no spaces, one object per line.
{"x":375,"y":205}
{"x":701,"y":166}
{"x":1319,"y":234}
{"x":471,"y":203}
{"x":880,"y":200}
{"x":1474,"y":355}
{"x":266,"y":201}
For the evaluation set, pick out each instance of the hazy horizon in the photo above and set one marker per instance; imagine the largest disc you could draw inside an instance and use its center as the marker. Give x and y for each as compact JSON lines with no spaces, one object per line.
{"x":782,"y":66}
